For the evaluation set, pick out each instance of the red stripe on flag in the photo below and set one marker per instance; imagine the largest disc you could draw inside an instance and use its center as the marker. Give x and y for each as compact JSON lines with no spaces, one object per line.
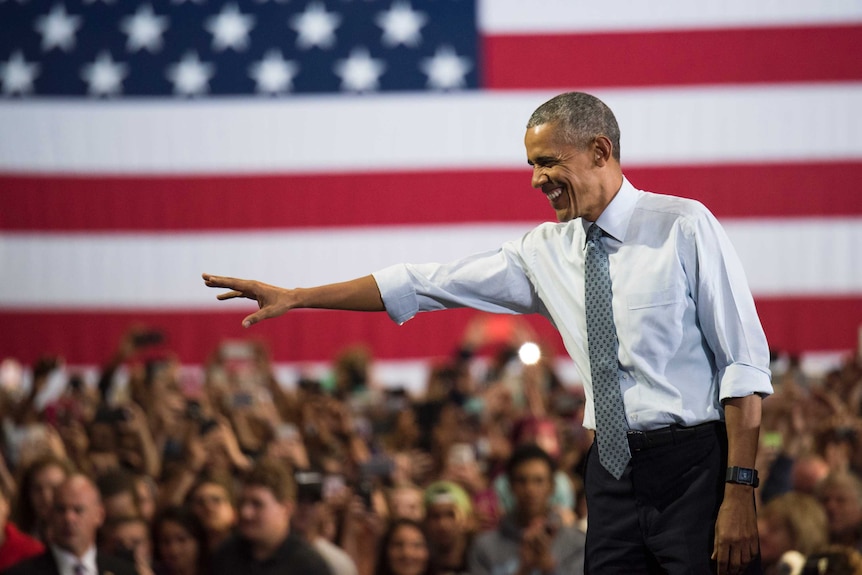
{"x":215,"y":203}
{"x":304,"y":335}
{"x":668,"y":58}
{"x":89,"y":337}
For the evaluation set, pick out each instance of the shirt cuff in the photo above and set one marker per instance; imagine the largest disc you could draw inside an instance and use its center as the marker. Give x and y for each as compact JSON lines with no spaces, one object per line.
{"x":741,"y":380}
{"x":397,"y":292}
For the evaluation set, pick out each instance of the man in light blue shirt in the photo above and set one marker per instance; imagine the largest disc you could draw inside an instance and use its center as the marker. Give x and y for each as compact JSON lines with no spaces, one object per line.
{"x":692,"y":359}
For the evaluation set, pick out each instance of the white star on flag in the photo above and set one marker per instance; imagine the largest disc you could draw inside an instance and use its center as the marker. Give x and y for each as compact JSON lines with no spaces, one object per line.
{"x":17,"y":75}
{"x":190,"y":76}
{"x":230,"y":28}
{"x":359,"y":72}
{"x":446,"y":69}
{"x":58,"y":28}
{"x":273,"y":74}
{"x":315,"y":26}
{"x":401,"y":25}
{"x":144,"y":29}
{"x":104,"y":76}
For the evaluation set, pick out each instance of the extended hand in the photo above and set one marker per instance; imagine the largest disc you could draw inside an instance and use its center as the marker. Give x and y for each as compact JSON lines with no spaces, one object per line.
{"x":272,"y":300}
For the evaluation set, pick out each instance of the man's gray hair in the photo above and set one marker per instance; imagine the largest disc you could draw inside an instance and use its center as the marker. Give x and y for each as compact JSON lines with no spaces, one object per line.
{"x":582,"y":118}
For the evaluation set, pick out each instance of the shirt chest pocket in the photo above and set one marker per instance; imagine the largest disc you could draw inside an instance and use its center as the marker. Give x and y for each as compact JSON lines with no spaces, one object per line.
{"x":654,"y":323}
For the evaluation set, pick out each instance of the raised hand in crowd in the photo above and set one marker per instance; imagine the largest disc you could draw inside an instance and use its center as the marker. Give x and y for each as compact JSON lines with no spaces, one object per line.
{"x":138,"y":448}
{"x":362,"y":529}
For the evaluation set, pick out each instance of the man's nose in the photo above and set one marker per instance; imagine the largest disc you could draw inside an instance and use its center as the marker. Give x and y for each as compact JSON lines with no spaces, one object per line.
{"x":539,"y":177}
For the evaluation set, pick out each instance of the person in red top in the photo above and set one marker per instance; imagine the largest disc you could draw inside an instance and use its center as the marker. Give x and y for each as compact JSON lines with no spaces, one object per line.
{"x":14,"y":545}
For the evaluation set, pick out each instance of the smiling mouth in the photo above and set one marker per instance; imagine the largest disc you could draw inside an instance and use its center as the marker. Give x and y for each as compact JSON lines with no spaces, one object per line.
{"x":554,"y":194}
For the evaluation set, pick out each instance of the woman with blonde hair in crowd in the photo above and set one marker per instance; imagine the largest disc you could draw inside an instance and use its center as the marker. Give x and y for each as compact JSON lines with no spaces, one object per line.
{"x":791,"y":526}
{"x":840,"y":492}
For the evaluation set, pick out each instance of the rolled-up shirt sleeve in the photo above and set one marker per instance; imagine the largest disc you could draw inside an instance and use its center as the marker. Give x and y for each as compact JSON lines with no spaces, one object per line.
{"x":493,"y":281}
{"x":727,"y":313}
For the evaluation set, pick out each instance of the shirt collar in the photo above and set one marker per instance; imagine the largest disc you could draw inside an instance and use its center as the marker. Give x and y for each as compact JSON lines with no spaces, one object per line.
{"x":66,"y":561}
{"x":614,"y":220}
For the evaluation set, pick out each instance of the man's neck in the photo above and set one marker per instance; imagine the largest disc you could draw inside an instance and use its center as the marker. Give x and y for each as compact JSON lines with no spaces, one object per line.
{"x":263,"y":550}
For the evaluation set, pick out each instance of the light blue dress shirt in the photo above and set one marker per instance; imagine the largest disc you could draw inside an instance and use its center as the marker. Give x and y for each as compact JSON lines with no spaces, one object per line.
{"x":689,"y":335}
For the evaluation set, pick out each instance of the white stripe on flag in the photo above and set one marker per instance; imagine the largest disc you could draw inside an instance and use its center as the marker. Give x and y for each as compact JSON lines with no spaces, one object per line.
{"x":550,"y":16}
{"x":162,"y":271}
{"x":659,"y":127}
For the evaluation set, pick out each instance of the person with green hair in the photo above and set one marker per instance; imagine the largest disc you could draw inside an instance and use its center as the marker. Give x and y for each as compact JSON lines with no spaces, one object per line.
{"x":450,"y":525}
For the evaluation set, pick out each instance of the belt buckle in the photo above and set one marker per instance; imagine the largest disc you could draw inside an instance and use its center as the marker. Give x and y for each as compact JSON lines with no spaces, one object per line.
{"x":637,"y":440}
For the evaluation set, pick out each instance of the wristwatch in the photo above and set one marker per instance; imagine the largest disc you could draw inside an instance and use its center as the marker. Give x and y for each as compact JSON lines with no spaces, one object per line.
{"x":742,"y":475}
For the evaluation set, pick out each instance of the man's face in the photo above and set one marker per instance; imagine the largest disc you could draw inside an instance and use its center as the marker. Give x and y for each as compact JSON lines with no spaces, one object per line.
{"x":76,"y":515}
{"x":532,"y":486}
{"x":262,"y":518}
{"x":566,"y":175}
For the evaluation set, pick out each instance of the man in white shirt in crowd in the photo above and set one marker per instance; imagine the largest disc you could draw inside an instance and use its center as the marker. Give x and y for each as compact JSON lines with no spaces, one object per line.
{"x":677,"y":347}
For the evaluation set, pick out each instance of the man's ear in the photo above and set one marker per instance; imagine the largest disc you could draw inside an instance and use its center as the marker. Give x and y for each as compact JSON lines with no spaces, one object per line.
{"x":101,"y":514}
{"x":603,"y":150}
{"x":288,"y":507}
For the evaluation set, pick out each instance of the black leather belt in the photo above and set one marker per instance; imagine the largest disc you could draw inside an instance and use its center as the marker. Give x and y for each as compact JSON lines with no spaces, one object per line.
{"x":675,"y":434}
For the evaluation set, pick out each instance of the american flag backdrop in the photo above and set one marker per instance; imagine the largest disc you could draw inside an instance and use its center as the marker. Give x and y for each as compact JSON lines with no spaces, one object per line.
{"x":308,"y":141}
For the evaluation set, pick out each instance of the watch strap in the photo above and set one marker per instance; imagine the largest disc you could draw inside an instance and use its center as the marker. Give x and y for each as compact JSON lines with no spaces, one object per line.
{"x":742,"y":476}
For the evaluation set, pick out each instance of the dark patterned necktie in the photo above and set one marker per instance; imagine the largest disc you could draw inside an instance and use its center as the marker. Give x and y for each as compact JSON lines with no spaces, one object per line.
{"x":79,"y":569}
{"x":611,"y":425}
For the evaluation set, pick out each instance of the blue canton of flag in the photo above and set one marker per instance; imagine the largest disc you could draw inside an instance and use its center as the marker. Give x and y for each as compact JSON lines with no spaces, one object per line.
{"x":110,"y":48}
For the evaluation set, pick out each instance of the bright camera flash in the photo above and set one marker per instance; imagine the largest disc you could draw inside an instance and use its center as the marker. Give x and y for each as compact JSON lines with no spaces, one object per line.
{"x":529,"y":353}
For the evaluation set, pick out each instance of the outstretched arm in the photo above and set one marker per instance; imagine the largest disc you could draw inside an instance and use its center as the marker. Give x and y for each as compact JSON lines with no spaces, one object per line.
{"x":360,"y":294}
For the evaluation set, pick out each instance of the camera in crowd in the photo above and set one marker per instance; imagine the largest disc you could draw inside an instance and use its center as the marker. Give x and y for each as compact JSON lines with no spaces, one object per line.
{"x":112,"y":415}
{"x":194,"y":413}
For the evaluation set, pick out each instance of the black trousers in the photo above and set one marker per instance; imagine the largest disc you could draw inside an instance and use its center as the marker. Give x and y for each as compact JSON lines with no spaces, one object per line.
{"x":659,"y":517}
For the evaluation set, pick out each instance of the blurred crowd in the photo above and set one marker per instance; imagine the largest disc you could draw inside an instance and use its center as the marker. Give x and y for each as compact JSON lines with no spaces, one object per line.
{"x":481,"y":472}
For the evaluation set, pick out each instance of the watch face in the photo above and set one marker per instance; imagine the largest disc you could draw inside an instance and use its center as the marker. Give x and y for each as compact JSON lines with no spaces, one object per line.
{"x":745,"y":475}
